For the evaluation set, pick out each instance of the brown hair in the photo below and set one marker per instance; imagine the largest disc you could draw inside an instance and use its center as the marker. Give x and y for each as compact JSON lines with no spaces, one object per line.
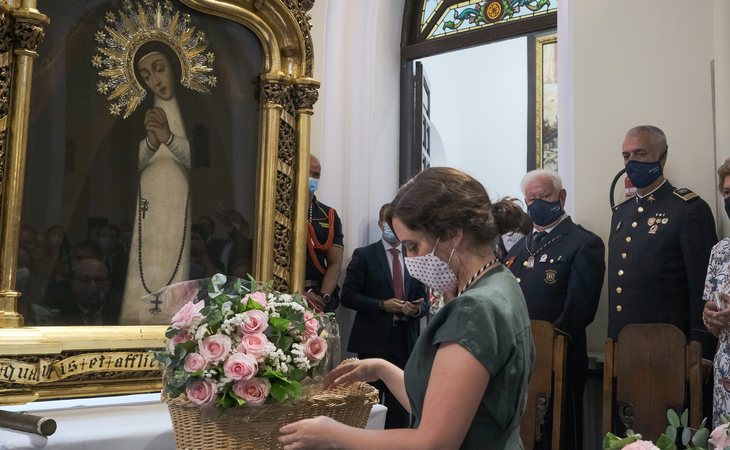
{"x":442,"y":199}
{"x":722,"y":172}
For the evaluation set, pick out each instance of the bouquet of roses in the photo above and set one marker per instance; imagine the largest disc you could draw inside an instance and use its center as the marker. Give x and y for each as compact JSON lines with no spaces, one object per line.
{"x":699,"y":439}
{"x":241,"y":345}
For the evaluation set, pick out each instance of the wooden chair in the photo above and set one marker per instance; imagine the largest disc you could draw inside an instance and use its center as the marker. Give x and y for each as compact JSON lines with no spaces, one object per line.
{"x":650,"y":369}
{"x":547,"y":385}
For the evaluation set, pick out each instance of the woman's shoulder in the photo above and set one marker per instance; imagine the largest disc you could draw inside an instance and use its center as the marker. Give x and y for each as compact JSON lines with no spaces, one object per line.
{"x":721,"y":248}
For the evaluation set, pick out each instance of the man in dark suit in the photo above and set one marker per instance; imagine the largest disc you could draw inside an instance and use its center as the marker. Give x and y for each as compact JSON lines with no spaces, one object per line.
{"x":560,"y":268}
{"x":659,"y":247}
{"x":389,"y":304}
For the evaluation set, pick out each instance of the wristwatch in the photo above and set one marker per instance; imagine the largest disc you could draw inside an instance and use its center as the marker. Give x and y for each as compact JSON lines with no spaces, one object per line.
{"x":326,"y":298}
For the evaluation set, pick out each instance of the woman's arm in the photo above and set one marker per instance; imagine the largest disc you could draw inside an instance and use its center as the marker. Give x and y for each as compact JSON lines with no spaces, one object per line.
{"x":455,"y":389}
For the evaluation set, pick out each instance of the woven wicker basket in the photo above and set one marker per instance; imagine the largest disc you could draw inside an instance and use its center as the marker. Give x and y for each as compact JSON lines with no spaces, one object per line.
{"x":250,"y":428}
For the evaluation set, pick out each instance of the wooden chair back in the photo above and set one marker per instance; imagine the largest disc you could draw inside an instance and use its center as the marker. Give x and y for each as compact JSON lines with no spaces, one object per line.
{"x":547,"y":385}
{"x":649,"y":369}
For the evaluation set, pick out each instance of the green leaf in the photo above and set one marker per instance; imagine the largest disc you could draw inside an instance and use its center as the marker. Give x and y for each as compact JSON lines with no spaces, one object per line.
{"x":170,"y":332}
{"x":686,"y":435}
{"x":665,"y":443}
{"x":279,"y":323}
{"x":684,"y":418}
{"x":673,"y":418}
{"x":250,"y":304}
{"x":700,"y":437}
{"x":671,"y":432}
{"x":278,"y":392}
{"x":297,"y":374}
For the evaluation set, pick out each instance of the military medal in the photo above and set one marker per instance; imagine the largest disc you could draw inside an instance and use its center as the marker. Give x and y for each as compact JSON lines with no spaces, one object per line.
{"x":543,"y":258}
{"x":530,"y":262}
{"x":651,"y":221}
{"x":653,"y":229}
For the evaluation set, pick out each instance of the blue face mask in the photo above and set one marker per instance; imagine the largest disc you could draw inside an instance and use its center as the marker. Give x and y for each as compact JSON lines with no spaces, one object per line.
{"x":727,"y":207}
{"x":389,"y":235}
{"x":544,"y":213}
{"x":642,"y":174}
{"x":313,"y":184}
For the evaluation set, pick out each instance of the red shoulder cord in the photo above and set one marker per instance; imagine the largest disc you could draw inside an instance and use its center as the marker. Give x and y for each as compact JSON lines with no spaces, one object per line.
{"x":314,"y":244}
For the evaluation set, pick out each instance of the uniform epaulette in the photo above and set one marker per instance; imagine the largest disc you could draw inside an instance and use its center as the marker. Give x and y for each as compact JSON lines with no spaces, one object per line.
{"x":685,"y":194}
{"x":630,"y":198}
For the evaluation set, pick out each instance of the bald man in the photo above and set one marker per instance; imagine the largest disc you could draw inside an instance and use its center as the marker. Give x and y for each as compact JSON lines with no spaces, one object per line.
{"x":324,"y":248}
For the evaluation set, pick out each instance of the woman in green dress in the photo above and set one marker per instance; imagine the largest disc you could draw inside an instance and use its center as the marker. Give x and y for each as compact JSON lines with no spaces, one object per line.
{"x":465,"y":383}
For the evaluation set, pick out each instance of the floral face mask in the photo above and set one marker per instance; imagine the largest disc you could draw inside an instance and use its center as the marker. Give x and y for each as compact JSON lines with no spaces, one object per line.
{"x":432,"y":271}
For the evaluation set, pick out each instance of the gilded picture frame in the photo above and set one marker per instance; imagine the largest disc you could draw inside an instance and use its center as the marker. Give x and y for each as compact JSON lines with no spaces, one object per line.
{"x":546,"y":101}
{"x":76,"y":361}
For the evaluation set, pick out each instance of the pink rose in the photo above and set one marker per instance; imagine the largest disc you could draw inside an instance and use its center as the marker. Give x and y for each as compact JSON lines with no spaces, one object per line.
{"x":179,"y":338}
{"x":254,"y":391}
{"x":215,"y":348}
{"x":187,"y":316}
{"x":719,"y":437}
{"x":254,"y":345}
{"x":255,"y":322}
{"x":315,"y":348}
{"x":258,"y":297}
{"x":201,"y":392}
{"x":641,"y":445}
{"x":311,"y":324}
{"x":178,"y":294}
{"x":240,"y":366}
{"x":194,"y":362}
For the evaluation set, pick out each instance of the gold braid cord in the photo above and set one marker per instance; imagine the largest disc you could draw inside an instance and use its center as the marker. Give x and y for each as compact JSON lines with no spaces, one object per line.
{"x":137,"y":23}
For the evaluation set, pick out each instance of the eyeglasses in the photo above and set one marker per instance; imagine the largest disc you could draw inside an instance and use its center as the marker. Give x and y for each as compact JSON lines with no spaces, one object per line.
{"x":89,"y":280}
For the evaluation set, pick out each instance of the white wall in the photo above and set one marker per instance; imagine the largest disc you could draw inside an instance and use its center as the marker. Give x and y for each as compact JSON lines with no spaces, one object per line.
{"x":479,"y":109}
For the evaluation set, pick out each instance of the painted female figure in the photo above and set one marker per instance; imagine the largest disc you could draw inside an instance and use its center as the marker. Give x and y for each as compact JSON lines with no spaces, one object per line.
{"x":160,"y":250}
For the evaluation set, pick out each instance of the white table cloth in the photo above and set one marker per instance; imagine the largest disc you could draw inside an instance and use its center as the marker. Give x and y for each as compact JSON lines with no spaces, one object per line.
{"x":126,"y":422}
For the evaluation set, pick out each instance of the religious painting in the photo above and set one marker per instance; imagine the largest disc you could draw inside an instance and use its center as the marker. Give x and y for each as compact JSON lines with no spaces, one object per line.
{"x":141,"y":160}
{"x":546,"y":102}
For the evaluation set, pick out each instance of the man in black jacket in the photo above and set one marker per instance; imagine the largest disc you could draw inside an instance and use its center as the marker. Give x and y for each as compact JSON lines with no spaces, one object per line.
{"x":560,"y":268}
{"x":389,"y":304}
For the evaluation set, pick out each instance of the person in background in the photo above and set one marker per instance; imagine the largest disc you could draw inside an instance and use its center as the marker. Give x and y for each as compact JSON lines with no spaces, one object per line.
{"x":560,"y":266}
{"x":389,"y":304}
{"x":716,"y":313}
{"x":324,"y":248}
{"x":658,"y":249}
{"x":465,"y":383}
{"x":90,"y":302}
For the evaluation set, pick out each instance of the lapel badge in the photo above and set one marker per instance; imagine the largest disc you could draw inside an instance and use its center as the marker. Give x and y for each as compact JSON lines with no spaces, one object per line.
{"x":550,"y":276}
{"x":651,"y":221}
{"x":510,"y":262}
{"x":653,"y":229}
{"x":530,"y":263}
{"x":543,"y":258}
{"x":618,"y":225}
{"x":651,"y":198}
{"x":665,"y":220}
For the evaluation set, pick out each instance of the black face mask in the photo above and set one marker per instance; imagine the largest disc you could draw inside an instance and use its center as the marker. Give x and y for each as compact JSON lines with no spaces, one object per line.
{"x":727,"y":207}
{"x":642,"y":174}
{"x":543,"y":213}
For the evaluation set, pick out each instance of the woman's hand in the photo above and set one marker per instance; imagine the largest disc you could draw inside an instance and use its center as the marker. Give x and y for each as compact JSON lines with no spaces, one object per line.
{"x":158,"y":129}
{"x":714,"y":318}
{"x":361,"y":370}
{"x":308,"y":433}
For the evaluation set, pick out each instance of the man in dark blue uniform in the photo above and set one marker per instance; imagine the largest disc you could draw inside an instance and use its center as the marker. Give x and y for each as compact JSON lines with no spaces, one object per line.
{"x":560,"y":268}
{"x":389,"y":303}
{"x":324,"y":248}
{"x":659,"y":247}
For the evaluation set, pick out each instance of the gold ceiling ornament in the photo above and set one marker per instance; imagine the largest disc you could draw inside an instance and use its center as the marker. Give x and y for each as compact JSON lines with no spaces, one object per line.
{"x":122,"y":33}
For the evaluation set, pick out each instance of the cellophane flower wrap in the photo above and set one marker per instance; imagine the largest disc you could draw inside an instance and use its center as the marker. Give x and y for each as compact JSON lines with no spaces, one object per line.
{"x":242,"y":343}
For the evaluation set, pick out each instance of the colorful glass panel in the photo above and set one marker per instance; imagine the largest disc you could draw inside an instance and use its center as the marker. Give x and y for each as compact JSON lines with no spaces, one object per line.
{"x":429,"y":8}
{"x":472,"y":15}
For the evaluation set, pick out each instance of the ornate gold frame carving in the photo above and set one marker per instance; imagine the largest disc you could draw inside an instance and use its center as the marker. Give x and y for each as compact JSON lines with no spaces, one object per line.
{"x":58,"y":362}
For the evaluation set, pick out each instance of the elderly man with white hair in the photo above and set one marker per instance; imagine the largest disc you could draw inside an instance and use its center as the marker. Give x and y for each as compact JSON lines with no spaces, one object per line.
{"x":560,"y":268}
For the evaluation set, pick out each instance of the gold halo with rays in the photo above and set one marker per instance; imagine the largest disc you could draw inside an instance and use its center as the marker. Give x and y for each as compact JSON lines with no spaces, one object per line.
{"x":122,"y":34}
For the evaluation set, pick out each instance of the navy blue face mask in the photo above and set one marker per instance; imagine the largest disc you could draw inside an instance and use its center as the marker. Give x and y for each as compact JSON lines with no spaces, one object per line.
{"x":727,"y":207}
{"x":544,"y":213}
{"x":642,"y":174}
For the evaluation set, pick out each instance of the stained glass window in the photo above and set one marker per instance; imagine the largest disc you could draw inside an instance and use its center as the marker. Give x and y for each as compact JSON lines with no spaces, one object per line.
{"x":448,"y":17}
